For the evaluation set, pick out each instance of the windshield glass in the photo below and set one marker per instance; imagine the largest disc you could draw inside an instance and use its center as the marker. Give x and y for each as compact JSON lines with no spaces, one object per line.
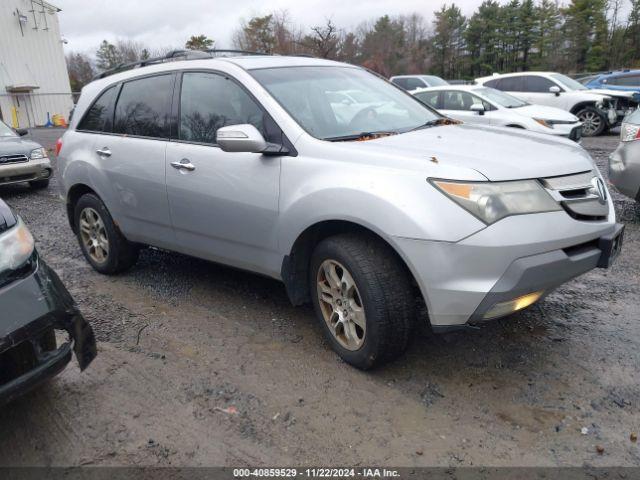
{"x":335,"y":102}
{"x":434,"y":81}
{"x":568,"y":82}
{"x":501,"y":98}
{"x":5,"y":131}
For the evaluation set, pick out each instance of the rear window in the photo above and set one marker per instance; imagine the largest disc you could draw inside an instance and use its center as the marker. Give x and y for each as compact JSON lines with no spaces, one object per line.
{"x":143,"y":107}
{"x":634,"y":118}
{"x":99,"y":116}
{"x":511,"y":84}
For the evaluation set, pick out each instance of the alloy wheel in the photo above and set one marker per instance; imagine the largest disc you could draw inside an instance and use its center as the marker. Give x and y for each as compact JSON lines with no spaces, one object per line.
{"x":341,"y":304}
{"x":591,"y":122}
{"x":93,"y":235}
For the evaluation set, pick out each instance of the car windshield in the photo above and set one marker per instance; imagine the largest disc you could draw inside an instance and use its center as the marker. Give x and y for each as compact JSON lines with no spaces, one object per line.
{"x":501,"y":98}
{"x":5,"y":131}
{"x":315,"y":98}
{"x":568,"y":82}
{"x":434,"y":81}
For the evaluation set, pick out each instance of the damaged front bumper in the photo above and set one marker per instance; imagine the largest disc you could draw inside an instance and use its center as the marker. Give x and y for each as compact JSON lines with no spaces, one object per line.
{"x":32,"y":308}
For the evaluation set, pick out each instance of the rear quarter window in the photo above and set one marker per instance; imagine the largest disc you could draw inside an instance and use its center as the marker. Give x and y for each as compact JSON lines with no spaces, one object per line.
{"x":99,"y":117}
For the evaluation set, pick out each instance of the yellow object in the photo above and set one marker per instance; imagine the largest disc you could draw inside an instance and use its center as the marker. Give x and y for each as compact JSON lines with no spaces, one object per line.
{"x":14,"y":118}
{"x":58,"y":120}
{"x":505,"y":308}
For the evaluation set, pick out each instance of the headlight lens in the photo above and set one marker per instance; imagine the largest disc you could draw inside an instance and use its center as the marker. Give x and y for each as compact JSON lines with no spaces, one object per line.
{"x":492,"y":201}
{"x":544,"y":123}
{"x":38,"y":154}
{"x":16,"y":246}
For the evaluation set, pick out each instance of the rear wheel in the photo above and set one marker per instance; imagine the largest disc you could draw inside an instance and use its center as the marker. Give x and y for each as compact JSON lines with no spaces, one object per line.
{"x":362,"y":296}
{"x":593,"y":122}
{"x":104,"y":247}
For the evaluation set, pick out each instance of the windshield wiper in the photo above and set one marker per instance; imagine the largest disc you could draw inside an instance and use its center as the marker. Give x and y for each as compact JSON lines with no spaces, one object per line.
{"x":431,"y":123}
{"x":357,"y":136}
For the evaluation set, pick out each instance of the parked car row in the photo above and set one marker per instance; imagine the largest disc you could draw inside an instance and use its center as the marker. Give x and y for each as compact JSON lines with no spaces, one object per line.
{"x":600,"y":105}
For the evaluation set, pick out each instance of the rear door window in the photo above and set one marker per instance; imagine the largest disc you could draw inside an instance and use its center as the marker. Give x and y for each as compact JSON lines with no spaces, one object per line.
{"x":626,"y":81}
{"x":429,"y":98}
{"x":413,"y":83}
{"x":209,"y":101}
{"x":144,"y":106}
{"x":511,"y":84}
{"x":99,"y":118}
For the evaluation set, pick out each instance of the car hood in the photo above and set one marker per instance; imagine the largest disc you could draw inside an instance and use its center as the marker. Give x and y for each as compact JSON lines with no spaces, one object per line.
{"x":17,"y":146}
{"x":497,"y":153}
{"x":612,"y":93}
{"x":545,"y":113}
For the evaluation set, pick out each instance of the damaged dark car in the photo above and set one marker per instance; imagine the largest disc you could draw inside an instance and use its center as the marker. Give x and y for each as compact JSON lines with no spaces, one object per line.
{"x":34,"y":305}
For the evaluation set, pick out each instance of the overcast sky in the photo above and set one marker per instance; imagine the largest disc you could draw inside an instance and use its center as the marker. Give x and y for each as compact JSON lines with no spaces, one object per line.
{"x":160,"y":23}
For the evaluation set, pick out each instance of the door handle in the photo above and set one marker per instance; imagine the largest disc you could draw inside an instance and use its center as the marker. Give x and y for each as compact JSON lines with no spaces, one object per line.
{"x":184,"y":164}
{"x":104,"y":152}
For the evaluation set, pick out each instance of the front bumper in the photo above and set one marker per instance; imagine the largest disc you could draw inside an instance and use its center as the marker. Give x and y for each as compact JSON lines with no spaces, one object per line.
{"x":515,"y":256}
{"x":624,"y":169}
{"x":25,"y":171}
{"x":31,"y":308}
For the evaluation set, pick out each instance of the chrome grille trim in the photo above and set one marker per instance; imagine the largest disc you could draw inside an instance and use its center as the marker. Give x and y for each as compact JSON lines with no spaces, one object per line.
{"x":8,"y":159}
{"x":569,"y":182}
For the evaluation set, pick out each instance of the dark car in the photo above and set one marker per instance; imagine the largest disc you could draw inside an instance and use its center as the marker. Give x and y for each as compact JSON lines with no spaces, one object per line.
{"x":22,"y":160}
{"x":34,"y":304}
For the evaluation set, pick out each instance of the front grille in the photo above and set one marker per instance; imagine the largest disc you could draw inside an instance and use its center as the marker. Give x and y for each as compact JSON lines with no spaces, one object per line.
{"x":578,"y":195}
{"x":6,"y":159}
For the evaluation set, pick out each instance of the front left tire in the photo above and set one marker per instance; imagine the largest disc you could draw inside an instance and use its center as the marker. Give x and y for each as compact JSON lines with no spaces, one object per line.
{"x":362,"y":296}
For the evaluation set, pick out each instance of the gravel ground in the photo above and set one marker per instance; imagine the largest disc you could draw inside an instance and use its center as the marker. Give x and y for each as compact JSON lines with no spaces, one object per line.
{"x":182,"y":340}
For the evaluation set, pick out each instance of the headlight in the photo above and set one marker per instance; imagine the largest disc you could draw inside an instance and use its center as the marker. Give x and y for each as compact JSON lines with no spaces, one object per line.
{"x":544,"y":123}
{"x":492,"y":201}
{"x":16,"y":246}
{"x":38,"y":154}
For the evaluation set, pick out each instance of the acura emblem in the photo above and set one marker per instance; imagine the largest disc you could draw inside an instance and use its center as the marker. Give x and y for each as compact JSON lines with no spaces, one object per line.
{"x":599,"y":189}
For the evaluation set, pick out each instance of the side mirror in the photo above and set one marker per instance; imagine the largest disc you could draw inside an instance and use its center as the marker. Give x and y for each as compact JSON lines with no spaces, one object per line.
{"x":241,"y":138}
{"x":22,"y":131}
{"x":555,"y":90}
{"x":478,"y":107}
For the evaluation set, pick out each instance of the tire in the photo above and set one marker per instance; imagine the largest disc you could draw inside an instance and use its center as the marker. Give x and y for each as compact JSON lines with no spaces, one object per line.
{"x":593,"y":122}
{"x":39,"y":184}
{"x":383,"y":301}
{"x":119,"y":254}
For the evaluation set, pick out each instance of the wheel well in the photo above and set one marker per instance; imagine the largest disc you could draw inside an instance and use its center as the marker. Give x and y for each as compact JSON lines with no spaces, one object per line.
{"x":582,"y":105}
{"x":295,"y":266}
{"x":73,"y":196}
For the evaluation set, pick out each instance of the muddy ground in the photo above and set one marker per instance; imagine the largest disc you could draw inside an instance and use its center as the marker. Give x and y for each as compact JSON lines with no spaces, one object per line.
{"x":182,"y":340}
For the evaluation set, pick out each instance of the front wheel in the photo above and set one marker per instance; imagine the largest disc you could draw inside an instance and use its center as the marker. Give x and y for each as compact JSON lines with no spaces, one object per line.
{"x":593,"y":122}
{"x":363,"y":298}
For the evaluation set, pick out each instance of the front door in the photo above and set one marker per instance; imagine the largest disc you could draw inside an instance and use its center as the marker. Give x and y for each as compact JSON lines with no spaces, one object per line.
{"x":224,"y":206}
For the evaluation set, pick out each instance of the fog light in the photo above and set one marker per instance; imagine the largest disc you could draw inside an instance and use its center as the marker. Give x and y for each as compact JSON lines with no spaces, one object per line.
{"x":505,"y":308}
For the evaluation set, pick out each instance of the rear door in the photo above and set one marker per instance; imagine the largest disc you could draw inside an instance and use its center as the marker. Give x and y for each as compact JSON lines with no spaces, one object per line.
{"x":133,"y":159}
{"x":224,"y":206}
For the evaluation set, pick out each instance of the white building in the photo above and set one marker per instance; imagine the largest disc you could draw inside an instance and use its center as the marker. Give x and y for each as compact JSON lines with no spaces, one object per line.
{"x":34,"y":83}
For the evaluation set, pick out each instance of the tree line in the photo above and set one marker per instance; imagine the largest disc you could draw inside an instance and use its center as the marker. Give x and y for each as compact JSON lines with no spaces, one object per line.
{"x":518,"y":35}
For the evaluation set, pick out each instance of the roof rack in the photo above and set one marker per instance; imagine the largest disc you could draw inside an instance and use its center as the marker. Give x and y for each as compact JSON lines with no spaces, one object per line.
{"x":173,"y":56}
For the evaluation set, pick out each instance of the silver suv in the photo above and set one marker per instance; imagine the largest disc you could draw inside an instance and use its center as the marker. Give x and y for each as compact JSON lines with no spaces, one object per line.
{"x":359,"y":207}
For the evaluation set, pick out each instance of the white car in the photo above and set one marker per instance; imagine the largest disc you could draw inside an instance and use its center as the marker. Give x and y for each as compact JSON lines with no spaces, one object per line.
{"x":488,"y":106}
{"x":598,"y":110}
{"x":411,"y":82}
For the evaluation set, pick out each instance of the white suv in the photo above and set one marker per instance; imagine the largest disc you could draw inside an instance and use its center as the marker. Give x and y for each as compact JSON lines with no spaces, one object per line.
{"x":596,"y":109}
{"x":253,"y":162}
